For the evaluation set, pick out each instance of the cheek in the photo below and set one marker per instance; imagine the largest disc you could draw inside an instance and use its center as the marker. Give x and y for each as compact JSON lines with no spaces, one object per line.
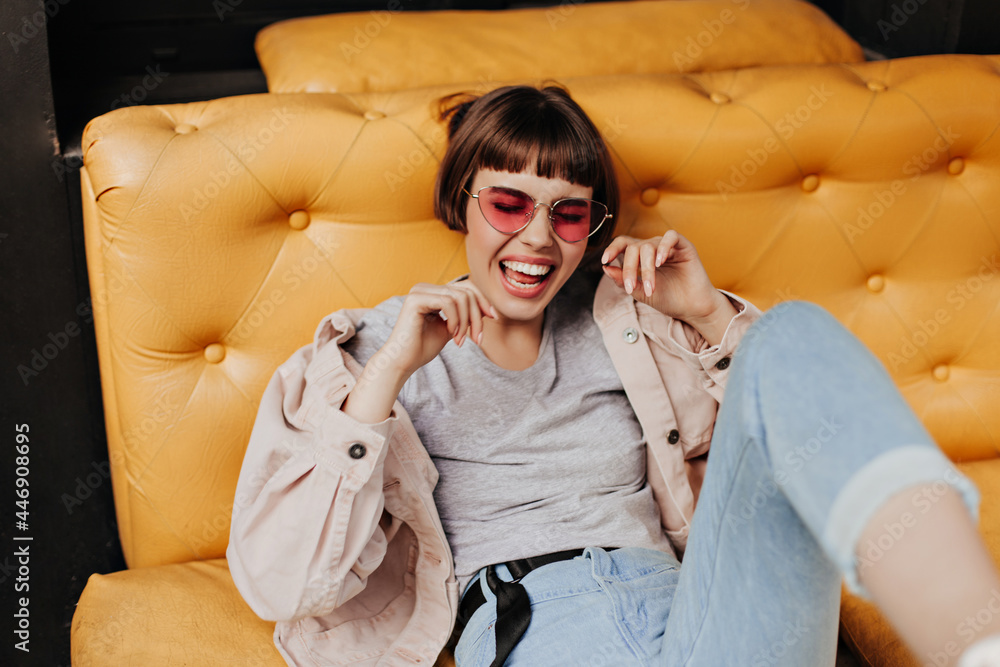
{"x":572,"y":253}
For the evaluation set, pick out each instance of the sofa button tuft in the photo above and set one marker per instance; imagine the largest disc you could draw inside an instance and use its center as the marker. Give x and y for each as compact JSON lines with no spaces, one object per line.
{"x":215,"y":353}
{"x":650,"y":196}
{"x":956,"y":166}
{"x":810,"y":183}
{"x":941,"y":372}
{"x":185,"y":128}
{"x":876,"y":283}
{"x":719,"y":98}
{"x":877,"y":86}
{"x":674,"y":436}
{"x":298,"y":219}
{"x":357,"y":451}
{"x":630,"y":335}
{"x":373,"y":114}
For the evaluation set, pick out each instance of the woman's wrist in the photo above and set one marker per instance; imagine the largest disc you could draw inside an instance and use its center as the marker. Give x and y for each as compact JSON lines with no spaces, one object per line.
{"x":713,"y":324}
{"x":376,"y":390}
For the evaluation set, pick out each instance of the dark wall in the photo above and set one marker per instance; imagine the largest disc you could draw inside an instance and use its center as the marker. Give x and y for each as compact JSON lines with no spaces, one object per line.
{"x":49,"y":382}
{"x":63,"y":62}
{"x":899,"y":28}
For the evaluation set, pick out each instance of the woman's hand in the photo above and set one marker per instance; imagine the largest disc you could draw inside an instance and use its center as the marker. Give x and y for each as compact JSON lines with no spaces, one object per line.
{"x":431,"y":316}
{"x":666,"y":273}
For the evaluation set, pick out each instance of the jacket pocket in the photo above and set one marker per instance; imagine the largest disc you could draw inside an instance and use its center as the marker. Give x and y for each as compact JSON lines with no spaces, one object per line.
{"x":363,"y":629}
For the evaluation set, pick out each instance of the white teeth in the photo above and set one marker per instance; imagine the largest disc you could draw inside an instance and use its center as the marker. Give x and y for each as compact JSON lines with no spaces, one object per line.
{"x":516,"y":283}
{"x":529,"y":269}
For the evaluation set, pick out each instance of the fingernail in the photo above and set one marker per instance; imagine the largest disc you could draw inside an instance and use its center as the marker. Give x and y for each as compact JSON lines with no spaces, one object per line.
{"x":659,"y":258}
{"x":648,"y":287}
{"x":494,"y":312}
{"x":604,"y":257}
{"x":479,"y":338}
{"x":628,"y":286}
{"x":443,"y":316}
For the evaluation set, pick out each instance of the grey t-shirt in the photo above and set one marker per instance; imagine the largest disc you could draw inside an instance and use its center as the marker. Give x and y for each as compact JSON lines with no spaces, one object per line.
{"x":534,"y":461}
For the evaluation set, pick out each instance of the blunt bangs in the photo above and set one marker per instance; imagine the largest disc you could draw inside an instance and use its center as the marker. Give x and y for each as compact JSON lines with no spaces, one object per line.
{"x":513,"y":128}
{"x":558,"y":149}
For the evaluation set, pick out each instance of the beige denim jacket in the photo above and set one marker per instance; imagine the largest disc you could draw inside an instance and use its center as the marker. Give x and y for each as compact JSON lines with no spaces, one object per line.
{"x":335,"y":534}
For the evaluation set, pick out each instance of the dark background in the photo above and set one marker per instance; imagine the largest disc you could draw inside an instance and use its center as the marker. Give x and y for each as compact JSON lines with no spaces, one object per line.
{"x":87,"y":58}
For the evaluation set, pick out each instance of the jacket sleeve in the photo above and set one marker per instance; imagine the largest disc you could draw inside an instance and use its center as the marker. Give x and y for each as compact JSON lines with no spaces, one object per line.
{"x":307,"y":527}
{"x":709,"y":363}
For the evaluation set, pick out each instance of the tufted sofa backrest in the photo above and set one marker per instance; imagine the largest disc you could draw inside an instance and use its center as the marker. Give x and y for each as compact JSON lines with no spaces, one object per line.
{"x":219,"y":233}
{"x":395,"y":50}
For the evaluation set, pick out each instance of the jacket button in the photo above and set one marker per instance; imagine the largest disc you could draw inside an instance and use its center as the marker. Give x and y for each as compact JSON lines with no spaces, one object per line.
{"x":357,"y":450}
{"x":723,"y":364}
{"x":630,"y":335}
{"x":673,"y":436}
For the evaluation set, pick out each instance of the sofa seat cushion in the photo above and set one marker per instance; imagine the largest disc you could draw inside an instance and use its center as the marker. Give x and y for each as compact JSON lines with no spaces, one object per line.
{"x":182,"y":614}
{"x":870,"y":636}
{"x":392,"y":50}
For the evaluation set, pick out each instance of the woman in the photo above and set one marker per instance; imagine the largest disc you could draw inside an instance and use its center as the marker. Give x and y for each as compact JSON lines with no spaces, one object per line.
{"x":541,"y":433}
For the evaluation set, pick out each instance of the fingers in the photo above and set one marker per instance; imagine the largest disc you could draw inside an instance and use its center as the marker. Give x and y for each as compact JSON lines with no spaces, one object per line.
{"x":615,"y":247}
{"x":665,"y":249}
{"x":640,"y":259}
{"x":646,"y":258}
{"x":630,"y":268}
{"x":480,"y":307}
{"x":461,"y":308}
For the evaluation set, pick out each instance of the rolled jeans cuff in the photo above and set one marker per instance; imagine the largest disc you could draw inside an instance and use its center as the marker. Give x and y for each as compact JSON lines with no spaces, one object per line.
{"x":873,"y":485}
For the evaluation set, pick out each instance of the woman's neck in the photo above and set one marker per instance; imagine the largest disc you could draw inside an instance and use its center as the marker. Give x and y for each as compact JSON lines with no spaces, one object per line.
{"x":512,"y":344}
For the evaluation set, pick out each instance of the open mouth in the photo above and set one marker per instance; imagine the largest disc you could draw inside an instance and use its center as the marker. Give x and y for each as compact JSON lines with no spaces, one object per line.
{"x":524,"y":276}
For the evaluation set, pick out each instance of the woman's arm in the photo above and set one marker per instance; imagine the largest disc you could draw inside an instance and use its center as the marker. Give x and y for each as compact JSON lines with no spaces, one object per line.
{"x":307,"y":527}
{"x":306,"y":530}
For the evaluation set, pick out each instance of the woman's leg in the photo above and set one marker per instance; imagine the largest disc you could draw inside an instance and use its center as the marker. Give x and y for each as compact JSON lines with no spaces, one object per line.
{"x":811,"y":441}
{"x":957,"y":601}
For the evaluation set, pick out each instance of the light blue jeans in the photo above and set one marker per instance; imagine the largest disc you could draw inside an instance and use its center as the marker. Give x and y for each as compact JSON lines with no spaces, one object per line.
{"x":811,"y":439}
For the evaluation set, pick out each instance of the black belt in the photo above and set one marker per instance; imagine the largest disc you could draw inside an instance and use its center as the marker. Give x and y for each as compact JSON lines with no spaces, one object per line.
{"x":513,"y":605}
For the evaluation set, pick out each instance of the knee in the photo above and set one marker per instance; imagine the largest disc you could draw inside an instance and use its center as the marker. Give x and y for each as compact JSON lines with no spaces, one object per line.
{"x":792,"y":323}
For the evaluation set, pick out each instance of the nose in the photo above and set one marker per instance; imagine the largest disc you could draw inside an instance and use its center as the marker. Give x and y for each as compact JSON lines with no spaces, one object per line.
{"x":538,"y":233}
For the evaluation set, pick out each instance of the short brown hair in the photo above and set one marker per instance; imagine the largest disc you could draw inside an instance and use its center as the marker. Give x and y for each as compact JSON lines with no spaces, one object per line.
{"x":504,"y":129}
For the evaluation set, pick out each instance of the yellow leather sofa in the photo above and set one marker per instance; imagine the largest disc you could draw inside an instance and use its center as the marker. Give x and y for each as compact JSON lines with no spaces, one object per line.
{"x":219,"y":233}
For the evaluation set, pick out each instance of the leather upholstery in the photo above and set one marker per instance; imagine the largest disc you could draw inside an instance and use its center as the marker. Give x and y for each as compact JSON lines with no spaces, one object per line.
{"x":219,"y":233}
{"x":391,"y":50}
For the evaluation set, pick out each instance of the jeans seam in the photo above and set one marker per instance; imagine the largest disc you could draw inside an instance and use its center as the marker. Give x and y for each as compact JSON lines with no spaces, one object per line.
{"x":715,"y":560}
